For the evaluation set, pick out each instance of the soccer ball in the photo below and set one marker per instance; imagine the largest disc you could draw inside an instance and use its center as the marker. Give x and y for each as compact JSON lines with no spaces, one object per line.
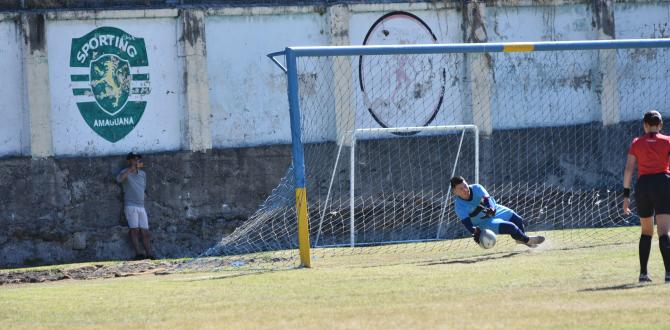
{"x":487,"y":239}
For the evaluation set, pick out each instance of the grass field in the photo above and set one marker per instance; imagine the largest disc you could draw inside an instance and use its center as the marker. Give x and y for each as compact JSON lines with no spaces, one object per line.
{"x":518,"y":288}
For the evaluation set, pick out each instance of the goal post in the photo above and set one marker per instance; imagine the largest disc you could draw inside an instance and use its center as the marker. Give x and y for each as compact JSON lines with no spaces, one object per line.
{"x":293,"y":53}
{"x":544,"y":126}
{"x":298,"y":160}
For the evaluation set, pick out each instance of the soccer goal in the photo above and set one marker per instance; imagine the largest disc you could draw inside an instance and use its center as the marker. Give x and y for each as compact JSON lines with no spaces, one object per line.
{"x":378,"y":131}
{"x":401,"y":138}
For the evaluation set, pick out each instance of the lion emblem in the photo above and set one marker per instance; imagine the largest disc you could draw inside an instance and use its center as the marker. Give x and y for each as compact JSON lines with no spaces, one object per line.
{"x":110,"y":81}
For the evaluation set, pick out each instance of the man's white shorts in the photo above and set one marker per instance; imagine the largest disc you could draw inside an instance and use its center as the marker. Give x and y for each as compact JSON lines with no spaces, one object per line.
{"x":137,"y":217}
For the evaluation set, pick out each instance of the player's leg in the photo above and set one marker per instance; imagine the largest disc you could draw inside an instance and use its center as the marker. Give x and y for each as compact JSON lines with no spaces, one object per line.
{"x":518,"y":221}
{"x":144,"y":228}
{"x":511,"y":216}
{"x":133,"y":224}
{"x":510,"y":228}
{"x":662,"y":210}
{"x":644,"y":247}
{"x":507,"y":214}
{"x":663,"y":227}
{"x":147,"y":243}
{"x":646,"y":212}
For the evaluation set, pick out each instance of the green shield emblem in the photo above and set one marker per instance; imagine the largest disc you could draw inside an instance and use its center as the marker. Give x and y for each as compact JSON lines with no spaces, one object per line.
{"x":110,"y":81}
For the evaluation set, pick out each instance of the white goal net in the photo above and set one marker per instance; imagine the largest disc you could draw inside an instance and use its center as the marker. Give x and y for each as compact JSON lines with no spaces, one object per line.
{"x":381,"y":130}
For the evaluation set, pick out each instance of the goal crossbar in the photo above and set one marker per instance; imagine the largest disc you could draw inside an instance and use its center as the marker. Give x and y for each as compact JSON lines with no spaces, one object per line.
{"x":541,"y":46}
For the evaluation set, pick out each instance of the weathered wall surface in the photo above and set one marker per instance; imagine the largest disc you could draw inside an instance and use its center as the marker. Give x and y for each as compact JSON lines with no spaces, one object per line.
{"x":13,"y":138}
{"x":204,"y":93}
{"x":206,"y":81}
{"x":566,"y":22}
{"x":640,"y":20}
{"x":549,"y":22}
{"x":247,"y":91}
{"x":71,"y":209}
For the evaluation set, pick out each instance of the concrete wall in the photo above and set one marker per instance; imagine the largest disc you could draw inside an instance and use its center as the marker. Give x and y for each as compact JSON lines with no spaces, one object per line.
{"x":640,"y":20}
{"x":221,"y":91}
{"x":59,"y":210}
{"x":568,"y":104}
{"x":247,"y":91}
{"x":13,"y":137}
{"x":570,"y":21}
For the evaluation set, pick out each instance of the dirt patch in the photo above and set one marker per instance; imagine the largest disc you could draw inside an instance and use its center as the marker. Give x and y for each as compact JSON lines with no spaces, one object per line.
{"x":237,"y":265}
{"x":88,"y":272}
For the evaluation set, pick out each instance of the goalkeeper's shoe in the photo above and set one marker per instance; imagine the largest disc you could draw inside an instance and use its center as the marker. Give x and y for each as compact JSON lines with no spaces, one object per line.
{"x":532,"y":246}
{"x":644,"y":278}
{"x":535,"y":240}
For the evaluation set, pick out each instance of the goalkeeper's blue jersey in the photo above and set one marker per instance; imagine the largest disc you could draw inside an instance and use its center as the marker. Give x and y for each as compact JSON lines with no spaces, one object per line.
{"x":465,"y":207}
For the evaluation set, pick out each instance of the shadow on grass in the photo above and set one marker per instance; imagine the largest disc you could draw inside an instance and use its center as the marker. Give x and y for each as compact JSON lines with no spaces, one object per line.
{"x":616,"y":287}
{"x":220,"y":277}
{"x":465,"y":260}
{"x":472,"y":260}
{"x":236,"y":274}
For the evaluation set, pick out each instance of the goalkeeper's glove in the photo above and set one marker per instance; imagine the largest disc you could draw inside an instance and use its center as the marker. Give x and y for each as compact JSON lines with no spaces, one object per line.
{"x":476,"y":234}
{"x":489,"y":211}
{"x":476,"y":211}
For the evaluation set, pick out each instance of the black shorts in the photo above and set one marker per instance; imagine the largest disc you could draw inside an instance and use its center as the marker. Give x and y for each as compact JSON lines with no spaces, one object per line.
{"x":652,"y":195}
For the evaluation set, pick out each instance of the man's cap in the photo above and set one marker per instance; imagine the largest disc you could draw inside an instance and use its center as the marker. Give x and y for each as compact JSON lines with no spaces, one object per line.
{"x":132,"y":155}
{"x":653,"y":118}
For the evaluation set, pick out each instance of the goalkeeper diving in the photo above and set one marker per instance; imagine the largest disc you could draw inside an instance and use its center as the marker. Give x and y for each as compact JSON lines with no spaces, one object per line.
{"x":478,"y":211}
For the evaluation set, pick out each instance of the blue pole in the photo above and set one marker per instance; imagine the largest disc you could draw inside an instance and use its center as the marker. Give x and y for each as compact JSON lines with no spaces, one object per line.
{"x":298,"y":159}
{"x":294,"y":113}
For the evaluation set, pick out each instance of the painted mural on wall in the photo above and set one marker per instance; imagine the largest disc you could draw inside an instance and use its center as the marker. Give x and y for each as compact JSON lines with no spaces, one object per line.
{"x":401,"y":90}
{"x":115,"y":59}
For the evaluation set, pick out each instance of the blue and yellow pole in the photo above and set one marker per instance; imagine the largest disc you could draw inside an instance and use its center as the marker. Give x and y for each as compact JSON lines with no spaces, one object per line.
{"x":518,"y":47}
{"x":298,"y":159}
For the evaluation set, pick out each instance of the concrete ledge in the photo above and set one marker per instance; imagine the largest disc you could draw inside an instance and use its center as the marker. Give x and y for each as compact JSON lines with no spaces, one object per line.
{"x":111,"y":14}
{"x":243,"y":11}
{"x":9,"y":16}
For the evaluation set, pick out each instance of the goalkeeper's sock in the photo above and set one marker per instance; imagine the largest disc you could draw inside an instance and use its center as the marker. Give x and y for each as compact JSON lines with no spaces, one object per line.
{"x":510,"y":229}
{"x":664,"y":245}
{"x":516,"y":219}
{"x":644,"y":249}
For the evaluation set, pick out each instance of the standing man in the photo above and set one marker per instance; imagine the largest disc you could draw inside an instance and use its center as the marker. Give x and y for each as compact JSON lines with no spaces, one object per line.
{"x":134,"y":182}
{"x":651,"y":153}
{"x":478,"y":210}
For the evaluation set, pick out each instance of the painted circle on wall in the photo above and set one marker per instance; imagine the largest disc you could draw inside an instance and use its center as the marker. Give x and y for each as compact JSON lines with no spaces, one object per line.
{"x":401,"y":90}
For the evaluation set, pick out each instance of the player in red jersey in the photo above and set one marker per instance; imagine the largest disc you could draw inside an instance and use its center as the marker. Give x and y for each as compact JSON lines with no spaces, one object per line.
{"x":651,"y":153}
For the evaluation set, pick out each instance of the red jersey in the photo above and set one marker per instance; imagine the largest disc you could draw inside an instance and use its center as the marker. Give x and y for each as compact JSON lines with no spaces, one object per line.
{"x":651,"y":152}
